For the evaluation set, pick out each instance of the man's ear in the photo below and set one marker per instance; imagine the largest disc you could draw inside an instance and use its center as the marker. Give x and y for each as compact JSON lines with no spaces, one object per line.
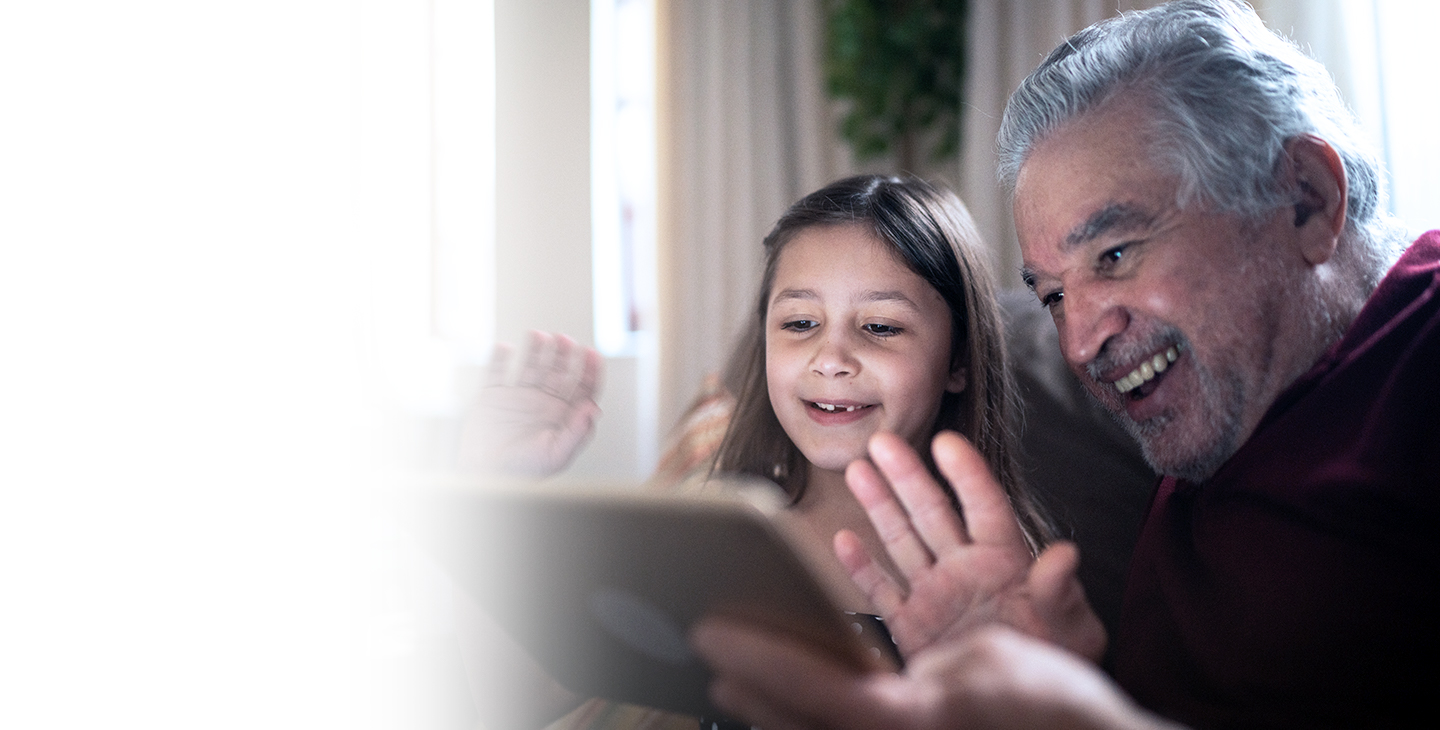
{"x":958,"y":381}
{"x":1318,"y":178}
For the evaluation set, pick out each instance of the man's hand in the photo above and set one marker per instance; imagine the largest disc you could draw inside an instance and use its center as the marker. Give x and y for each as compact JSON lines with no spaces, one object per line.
{"x":534,"y":425}
{"x":993,"y":678}
{"x":961,"y":574}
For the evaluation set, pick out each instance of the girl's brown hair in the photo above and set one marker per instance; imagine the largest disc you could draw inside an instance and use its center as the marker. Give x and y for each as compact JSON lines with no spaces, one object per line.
{"x":933,"y":233}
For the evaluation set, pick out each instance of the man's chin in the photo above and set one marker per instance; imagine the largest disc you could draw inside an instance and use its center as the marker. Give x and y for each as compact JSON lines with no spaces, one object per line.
{"x":1170,"y":452}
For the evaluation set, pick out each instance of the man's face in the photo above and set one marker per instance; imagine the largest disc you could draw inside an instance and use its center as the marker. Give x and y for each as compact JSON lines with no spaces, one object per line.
{"x":1174,"y":319}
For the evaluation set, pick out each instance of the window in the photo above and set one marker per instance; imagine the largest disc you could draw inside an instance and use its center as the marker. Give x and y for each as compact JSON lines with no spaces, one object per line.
{"x":1403,"y":32}
{"x":622,"y":149}
{"x":426,"y":193}
{"x":1378,"y":52}
{"x":623,"y":201}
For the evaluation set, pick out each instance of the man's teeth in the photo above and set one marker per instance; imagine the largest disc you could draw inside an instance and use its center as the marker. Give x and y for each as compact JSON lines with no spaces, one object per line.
{"x":1148,"y":370}
{"x":830,"y":407}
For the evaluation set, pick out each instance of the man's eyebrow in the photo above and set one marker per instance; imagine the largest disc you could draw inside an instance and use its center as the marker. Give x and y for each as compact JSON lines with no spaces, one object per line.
{"x":1109,"y":219}
{"x":1115,"y":217}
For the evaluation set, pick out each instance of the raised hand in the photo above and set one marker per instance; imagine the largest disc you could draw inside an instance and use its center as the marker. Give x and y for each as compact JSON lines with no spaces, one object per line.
{"x":533,"y":425}
{"x":959,"y":575}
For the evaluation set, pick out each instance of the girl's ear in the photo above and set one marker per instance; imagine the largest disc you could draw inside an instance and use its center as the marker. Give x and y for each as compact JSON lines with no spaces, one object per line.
{"x":959,"y":379}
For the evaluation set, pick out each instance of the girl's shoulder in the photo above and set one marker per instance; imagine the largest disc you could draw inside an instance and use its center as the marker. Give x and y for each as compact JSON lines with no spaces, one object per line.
{"x":692,"y":445}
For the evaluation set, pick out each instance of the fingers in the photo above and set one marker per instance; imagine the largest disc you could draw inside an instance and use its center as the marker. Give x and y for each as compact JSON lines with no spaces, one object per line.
{"x":988,"y":515}
{"x":891,"y":522}
{"x":928,"y":506}
{"x":866,"y":573}
{"x":1050,"y":576}
{"x":554,"y":364}
{"x":499,"y":365}
{"x":1060,"y":600}
{"x":539,"y":352}
{"x":556,"y":377}
{"x":590,"y":375}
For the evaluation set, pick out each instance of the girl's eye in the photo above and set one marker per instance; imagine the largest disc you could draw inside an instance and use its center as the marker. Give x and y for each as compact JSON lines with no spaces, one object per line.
{"x":799,"y":325}
{"x":1049,"y":301}
{"x":882,"y":330}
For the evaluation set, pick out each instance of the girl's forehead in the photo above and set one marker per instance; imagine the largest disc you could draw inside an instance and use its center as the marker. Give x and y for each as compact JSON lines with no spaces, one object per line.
{"x":825,"y":249}
{"x":845,"y":261}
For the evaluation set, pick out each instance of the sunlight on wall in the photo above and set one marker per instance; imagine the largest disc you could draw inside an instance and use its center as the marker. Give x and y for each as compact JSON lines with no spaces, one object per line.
{"x":1405,"y":32}
{"x":623,"y":172}
{"x":1378,"y":52}
{"x":623,"y":177}
{"x":179,"y":385}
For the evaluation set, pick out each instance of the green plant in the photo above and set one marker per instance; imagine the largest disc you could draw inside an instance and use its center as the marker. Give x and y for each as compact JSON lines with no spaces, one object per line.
{"x":900,"y":65}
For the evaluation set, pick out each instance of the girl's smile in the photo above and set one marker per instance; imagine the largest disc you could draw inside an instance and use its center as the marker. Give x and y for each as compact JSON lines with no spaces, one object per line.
{"x":836,"y":413}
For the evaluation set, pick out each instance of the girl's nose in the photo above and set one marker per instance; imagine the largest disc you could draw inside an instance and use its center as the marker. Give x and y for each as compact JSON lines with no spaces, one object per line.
{"x":835,"y":356}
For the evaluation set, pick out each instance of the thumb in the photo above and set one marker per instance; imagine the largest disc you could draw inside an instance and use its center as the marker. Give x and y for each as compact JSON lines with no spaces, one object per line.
{"x":1059,"y":599}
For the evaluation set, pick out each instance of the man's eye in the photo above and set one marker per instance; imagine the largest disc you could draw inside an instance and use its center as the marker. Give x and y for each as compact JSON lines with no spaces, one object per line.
{"x":799,"y":325}
{"x":1049,"y":301}
{"x":1111,"y":256}
{"x":882,"y":330}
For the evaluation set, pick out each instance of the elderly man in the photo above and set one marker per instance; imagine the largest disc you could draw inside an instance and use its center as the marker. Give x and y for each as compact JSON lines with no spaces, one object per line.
{"x":1197,"y":214}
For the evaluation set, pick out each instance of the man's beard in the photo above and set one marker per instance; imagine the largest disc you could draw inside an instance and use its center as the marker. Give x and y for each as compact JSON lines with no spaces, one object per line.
{"x":1219,"y":405}
{"x":1194,"y":462}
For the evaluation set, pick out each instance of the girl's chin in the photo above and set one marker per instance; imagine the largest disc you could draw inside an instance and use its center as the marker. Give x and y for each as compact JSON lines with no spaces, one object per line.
{"x":834,"y":460}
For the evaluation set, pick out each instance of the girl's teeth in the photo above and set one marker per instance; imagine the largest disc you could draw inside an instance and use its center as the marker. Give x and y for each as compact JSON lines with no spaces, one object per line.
{"x":833,"y":408}
{"x":1148,"y":369}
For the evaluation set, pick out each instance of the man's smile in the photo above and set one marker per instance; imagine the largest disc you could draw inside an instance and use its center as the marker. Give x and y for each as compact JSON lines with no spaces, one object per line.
{"x":1146,"y":371}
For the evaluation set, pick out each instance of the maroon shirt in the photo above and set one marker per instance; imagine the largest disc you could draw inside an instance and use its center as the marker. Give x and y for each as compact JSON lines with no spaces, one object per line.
{"x":1300,"y":586}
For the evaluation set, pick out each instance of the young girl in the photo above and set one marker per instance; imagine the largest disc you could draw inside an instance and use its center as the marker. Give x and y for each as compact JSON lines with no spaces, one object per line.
{"x":875,"y":313}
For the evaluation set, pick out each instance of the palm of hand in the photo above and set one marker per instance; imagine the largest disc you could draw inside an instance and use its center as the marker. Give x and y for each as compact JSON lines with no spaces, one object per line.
{"x":961,"y":590}
{"x":533,"y":425}
{"x":961,"y":574}
{"x":531,"y":431}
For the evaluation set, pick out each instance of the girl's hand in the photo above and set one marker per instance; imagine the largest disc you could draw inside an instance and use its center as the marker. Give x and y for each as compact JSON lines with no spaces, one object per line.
{"x":961,"y":574}
{"x":533,"y":426}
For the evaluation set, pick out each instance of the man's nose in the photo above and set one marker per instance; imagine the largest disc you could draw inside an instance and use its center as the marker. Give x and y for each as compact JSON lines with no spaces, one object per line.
{"x":1091,"y":315}
{"x":835,"y":354}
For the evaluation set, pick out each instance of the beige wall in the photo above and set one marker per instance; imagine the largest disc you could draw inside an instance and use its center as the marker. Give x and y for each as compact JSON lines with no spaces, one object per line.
{"x":542,"y":128}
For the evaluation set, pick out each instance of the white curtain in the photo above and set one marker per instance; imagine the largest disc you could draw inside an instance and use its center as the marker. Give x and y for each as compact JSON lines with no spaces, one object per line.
{"x":747,"y":133}
{"x":748,"y":130}
{"x":1377,"y":52}
{"x":1006,"y":40}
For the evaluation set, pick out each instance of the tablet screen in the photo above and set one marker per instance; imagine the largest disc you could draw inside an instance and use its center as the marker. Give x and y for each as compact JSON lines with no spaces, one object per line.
{"x":603,"y":588}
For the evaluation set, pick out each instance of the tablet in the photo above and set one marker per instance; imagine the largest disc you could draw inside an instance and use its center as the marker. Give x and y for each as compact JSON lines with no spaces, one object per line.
{"x":603,"y":588}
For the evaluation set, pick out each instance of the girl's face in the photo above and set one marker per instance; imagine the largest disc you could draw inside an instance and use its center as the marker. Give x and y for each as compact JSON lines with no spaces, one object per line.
{"x":855,"y":343}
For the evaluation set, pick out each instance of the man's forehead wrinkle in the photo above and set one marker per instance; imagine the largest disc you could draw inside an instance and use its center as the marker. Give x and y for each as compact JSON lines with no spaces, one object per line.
{"x":1110,"y":218}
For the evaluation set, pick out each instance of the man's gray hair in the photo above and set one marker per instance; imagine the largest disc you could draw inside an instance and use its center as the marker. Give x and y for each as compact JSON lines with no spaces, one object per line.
{"x":1226,"y":95}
